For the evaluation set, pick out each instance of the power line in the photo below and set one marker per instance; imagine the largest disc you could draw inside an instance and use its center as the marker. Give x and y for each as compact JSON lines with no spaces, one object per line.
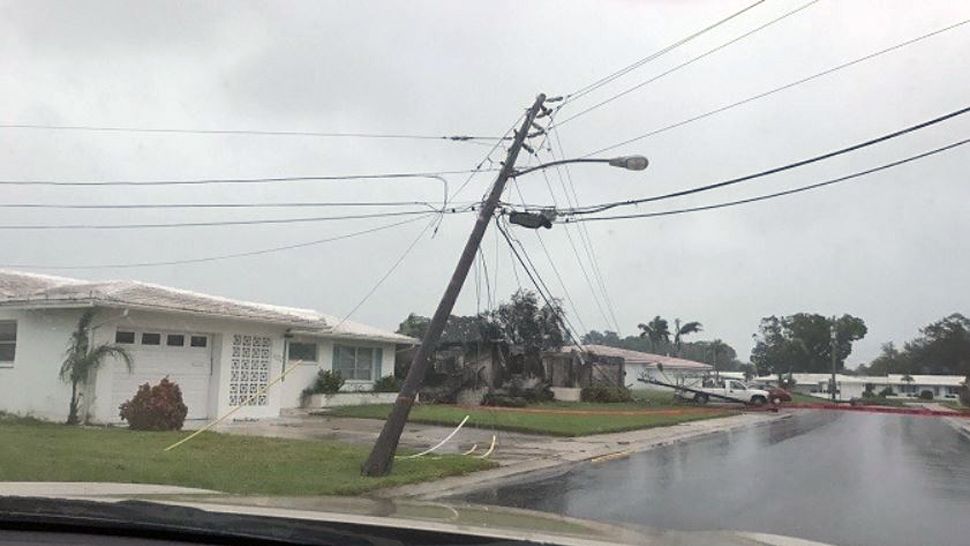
{"x":260,"y":180}
{"x":583,"y":231}
{"x":637,"y":64}
{"x":537,"y":281}
{"x":384,"y":277}
{"x":291,"y":204}
{"x":311,"y":219}
{"x":247,"y":132}
{"x":777,"y":89}
{"x":556,"y":309}
{"x":776,"y":194}
{"x":596,"y":299}
{"x":552,"y":262}
{"x":218,"y":257}
{"x":606,"y":206}
{"x":686,"y":63}
{"x":565,"y":291}
{"x":486,"y":159}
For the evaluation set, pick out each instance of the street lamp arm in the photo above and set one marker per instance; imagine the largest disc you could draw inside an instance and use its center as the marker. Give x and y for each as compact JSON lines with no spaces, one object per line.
{"x":629,"y":162}
{"x":559,"y":162}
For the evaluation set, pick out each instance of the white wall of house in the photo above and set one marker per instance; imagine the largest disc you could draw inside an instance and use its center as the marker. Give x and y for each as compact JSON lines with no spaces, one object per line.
{"x":297,"y":380}
{"x":30,"y":384}
{"x":220,"y":333}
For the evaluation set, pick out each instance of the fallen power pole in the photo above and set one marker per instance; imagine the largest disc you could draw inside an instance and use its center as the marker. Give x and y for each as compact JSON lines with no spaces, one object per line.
{"x":693,"y":390}
{"x":381,"y":457}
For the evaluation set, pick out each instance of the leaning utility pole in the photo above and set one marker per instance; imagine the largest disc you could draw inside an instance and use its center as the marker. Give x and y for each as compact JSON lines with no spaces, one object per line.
{"x":834,"y":356}
{"x":382,"y":455}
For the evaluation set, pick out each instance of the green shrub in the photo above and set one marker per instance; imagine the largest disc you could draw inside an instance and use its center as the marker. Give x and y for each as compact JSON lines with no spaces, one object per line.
{"x":327,"y":382}
{"x":388,"y":383}
{"x":605,"y":394}
{"x":155,"y":408}
{"x":926,"y":395}
{"x":888,"y":391}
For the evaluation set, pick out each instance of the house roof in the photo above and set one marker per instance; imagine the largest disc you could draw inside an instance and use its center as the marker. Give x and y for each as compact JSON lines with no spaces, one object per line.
{"x":637,"y":357}
{"x":30,"y":290}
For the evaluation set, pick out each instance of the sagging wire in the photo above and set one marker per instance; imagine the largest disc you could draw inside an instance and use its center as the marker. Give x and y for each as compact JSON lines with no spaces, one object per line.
{"x":439,"y":444}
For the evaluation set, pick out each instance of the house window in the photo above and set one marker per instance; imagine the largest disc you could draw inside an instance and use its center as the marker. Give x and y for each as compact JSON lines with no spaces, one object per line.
{"x":8,"y":341}
{"x":199,"y":341}
{"x":122,"y":336}
{"x":357,"y":363}
{"x":151,"y":339}
{"x":175,"y":340}
{"x":306,"y":352}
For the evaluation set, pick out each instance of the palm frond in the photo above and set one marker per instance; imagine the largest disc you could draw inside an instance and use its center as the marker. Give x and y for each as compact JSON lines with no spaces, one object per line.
{"x":99,"y":353}
{"x":690,"y":328}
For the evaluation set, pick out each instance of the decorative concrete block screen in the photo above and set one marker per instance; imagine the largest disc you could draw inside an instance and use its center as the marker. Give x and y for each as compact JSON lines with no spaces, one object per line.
{"x":250,"y":369}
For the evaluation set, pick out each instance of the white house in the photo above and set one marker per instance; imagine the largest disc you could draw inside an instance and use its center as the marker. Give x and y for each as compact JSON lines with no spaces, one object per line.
{"x":852,"y":386}
{"x":638,"y":365}
{"x":218,"y":350}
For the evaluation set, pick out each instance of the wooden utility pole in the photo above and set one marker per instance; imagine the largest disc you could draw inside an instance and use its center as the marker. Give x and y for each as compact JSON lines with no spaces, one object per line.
{"x":382,"y":455}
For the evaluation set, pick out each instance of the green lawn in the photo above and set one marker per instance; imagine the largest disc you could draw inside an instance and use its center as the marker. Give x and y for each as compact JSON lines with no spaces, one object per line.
{"x":554,"y":424}
{"x":799,"y":398}
{"x":954,"y":405}
{"x":32,"y":451}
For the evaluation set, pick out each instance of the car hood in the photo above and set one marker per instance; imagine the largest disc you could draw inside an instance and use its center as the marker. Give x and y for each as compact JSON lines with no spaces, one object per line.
{"x":499,"y":523}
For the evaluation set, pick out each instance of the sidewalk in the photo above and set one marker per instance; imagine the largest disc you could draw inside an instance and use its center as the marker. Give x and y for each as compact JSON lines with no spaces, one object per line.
{"x":553,"y":456}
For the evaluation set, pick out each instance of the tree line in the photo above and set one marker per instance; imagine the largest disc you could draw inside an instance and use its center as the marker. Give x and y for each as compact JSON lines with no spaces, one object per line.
{"x":797,"y":343}
{"x":942,"y":347}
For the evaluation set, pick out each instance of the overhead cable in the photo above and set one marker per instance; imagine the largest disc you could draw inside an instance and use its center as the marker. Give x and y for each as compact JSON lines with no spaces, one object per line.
{"x":775,"y":194}
{"x":590,"y":209}
{"x":263,"y":221}
{"x":686,"y":63}
{"x":258,"y":180}
{"x":637,"y":64}
{"x":219,"y":257}
{"x":387,"y":274}
{"x":224,"y":205}
{"x":776,"y":89}
{"x":584,"y":237}
{"x":247,"y":132}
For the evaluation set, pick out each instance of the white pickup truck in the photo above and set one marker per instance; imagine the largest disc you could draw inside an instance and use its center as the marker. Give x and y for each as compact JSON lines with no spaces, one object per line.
{"x":715,"y":387}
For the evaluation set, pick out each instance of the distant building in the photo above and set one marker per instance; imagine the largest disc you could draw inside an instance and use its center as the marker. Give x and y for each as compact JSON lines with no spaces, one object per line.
{"x":639,"y":365}
{"x":852,"y":386}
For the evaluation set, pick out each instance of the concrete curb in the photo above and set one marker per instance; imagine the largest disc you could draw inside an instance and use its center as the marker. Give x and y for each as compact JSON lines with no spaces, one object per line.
{"x":960,"y":424}
{"x":618,"y":445}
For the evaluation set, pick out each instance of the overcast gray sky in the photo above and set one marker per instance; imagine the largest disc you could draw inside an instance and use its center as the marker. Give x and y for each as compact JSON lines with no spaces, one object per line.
{"x":890,"y":248}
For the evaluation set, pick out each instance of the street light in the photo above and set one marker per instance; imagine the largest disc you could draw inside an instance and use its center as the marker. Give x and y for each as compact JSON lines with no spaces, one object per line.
{"x":629,"y":162}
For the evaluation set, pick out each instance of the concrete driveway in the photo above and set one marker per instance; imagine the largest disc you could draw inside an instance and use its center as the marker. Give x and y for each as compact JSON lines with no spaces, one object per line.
{"x":511,"y":447}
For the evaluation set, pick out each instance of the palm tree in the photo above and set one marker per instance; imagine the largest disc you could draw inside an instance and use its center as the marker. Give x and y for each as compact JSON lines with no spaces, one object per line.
{"x":81,"y":359}
{"x":717,"y":347}
{"x":686,"y":329}
{"x":656,"y":331}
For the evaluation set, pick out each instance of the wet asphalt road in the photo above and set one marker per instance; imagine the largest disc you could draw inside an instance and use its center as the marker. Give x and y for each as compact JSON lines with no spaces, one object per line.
{"x":836,"y":477}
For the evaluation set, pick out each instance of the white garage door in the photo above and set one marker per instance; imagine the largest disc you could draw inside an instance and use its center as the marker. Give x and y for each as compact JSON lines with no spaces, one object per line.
{"x":185,"y":358}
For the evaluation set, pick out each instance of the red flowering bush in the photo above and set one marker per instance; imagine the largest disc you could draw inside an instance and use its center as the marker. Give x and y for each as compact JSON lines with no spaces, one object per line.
{"x":155,"y":408}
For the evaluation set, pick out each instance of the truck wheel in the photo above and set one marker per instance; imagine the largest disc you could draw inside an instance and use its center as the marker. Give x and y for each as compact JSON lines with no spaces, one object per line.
{"x":776,"y":401}
{"x":758,"y":401}
{"x":701,"y":399}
